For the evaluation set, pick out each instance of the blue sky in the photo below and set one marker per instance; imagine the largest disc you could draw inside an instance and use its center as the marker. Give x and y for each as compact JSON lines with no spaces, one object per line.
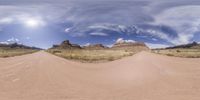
{"x":42,"y":23}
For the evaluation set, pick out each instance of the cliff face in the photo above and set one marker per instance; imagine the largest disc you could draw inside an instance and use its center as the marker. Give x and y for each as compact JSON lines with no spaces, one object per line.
{"x":66,"y":45}
{"x":129,"y":46}
{"x":95,"y":47}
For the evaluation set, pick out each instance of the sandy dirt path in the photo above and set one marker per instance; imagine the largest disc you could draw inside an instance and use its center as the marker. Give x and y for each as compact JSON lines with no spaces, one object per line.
{"x":144,"y":76}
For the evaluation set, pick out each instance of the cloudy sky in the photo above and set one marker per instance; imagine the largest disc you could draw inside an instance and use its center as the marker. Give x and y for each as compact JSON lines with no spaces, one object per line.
{"x":41,"y":23}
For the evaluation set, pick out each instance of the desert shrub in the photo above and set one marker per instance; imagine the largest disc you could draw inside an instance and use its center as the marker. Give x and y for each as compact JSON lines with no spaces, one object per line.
{"x":111,"y":59}
{"x":169,"y":54}
{"x":178,"y":51}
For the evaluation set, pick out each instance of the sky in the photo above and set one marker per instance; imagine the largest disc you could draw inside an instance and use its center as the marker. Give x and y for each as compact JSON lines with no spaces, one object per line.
{"x":42,"y":23}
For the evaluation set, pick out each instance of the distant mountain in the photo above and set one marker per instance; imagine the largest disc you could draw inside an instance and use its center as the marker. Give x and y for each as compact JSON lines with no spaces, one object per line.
{"x":19,"y":46}
{"x":193,"y":45}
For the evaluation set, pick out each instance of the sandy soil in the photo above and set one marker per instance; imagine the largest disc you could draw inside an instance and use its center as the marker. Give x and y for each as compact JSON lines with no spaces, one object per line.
{"x":144,"y":76}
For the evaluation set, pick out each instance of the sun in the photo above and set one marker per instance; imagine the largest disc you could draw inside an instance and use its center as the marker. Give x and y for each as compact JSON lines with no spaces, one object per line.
{"x":32,"y":23}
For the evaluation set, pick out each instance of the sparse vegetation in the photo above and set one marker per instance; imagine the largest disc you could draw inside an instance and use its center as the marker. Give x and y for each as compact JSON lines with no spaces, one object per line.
{"x":15,"y":49}
{"x":181,"y":52}
{"x":191,"y":50}
{"x":8,"y":52}
{"x":91,"y":55}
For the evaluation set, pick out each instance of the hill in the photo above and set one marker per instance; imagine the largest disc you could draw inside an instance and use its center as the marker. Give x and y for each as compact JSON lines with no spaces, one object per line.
{"x":193,"y":45}
{"x":14,"y":49}
{"x":19,"y":46}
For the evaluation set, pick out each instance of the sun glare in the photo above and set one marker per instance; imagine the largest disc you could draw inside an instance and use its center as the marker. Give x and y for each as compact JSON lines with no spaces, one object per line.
{"x":32,"y":23}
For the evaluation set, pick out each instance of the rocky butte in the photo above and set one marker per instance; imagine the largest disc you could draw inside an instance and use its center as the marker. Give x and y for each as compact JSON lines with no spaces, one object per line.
{"x":66,"y":45}
{"x":130,"y":46}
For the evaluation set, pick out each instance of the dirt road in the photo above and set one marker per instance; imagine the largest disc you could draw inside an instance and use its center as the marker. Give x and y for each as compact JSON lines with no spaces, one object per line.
{"x":144,"y":76}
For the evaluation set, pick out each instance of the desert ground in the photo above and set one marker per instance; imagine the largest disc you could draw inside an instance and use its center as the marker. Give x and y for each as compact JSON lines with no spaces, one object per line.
{"x":143,"y":76}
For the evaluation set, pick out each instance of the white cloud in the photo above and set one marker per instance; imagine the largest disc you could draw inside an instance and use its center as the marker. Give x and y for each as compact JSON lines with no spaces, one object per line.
{"x":4,"y":42}
{"x":154,"y":46}
{"x":109,"y":26}
{"x":121,"y":40}
{"x":43,"y":13}
{"x":87,"y":44}
{"x":109,"y":45}
{"x":25,"y":19}
{"x":13,"y":40}
{"x":184,"y":19}
{"x":99,"y":34}
{"x":154,"y":39}
{"x":99,"y":27}
{"x":10,"y":41}
{"x":158,"y":34}
{"x":67,"y":30}
{"x":130,"y":41}
{"x":28,"y":38}
{"x":6,"y":20}
{"x":34,"y":22}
